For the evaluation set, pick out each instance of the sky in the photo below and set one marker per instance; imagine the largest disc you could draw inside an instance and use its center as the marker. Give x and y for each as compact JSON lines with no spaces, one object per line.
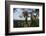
{"x":17,"y":12}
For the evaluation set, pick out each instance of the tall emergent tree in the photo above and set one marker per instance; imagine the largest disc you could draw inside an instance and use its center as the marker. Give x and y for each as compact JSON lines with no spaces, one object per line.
{"x":25,"y":14}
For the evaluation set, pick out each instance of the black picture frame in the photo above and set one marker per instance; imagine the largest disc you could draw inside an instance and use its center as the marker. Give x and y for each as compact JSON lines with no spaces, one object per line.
{"x":7,"y":10}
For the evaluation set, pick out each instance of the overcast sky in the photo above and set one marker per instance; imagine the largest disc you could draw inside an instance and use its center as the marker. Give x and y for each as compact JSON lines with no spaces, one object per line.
{"x":18,"y":12}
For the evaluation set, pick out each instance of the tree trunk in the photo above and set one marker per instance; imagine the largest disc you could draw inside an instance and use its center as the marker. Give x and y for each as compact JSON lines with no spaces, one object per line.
{"x":26,"y":20}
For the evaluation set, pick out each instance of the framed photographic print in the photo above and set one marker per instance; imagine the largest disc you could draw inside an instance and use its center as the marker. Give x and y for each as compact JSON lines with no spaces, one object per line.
{"x":24,"y":17}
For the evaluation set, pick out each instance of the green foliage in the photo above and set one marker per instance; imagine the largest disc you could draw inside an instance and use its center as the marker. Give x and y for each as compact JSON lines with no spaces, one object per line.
{"x":35,"y":23}
{"x":32,"y":23}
